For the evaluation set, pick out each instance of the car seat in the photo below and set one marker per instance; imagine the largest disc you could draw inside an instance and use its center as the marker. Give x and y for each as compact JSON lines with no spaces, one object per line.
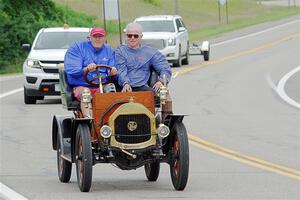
{"x":66,"y":92}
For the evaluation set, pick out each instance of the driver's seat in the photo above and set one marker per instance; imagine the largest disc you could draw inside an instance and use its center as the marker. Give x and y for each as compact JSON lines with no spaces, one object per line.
{"x":66,"y":92}
{"x":152,"y":80}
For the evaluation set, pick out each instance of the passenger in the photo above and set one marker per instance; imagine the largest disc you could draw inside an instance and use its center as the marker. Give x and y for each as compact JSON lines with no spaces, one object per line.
{"x":133,"y":62}
{"x":85,"y":55}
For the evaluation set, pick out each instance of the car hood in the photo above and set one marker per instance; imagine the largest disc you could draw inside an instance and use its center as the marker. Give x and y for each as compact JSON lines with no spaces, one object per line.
{"x":158,"y":35}
{"x":48,"y":54}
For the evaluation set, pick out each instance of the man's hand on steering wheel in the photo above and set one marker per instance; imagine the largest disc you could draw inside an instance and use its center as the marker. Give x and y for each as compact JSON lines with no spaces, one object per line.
{"x":113,"y":71}
{"x":93,"y":67}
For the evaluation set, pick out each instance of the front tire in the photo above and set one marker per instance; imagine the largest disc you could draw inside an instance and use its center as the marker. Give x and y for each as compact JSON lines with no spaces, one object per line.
{"x":64,"y":167}
{"x":152,"y":170}
{"x":178,"y":62}
{"x":84,"y":164}
{"x":28,"y":99}
{"x":206,"y":55}
{"x":179,"y":163}
{"x":186,"y":61}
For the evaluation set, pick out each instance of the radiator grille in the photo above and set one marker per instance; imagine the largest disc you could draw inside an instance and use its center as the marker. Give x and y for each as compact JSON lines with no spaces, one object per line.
{"x":132,"y":129}
{"x":155,"y":43}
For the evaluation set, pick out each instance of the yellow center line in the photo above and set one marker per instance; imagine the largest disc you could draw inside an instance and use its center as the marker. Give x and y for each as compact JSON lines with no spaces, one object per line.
{"x":249,"y":160}
{"x":239,"y":54}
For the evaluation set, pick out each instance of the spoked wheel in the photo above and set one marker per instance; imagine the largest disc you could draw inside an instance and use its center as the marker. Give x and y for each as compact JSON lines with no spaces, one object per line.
{"x":64,"y":167}
{"x":83,"y":150}
{"x":179,"y":164}
{"x":152,"y":170}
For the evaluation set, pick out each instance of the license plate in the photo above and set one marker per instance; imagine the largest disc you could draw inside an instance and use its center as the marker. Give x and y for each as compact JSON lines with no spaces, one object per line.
{"x":57,"y":88}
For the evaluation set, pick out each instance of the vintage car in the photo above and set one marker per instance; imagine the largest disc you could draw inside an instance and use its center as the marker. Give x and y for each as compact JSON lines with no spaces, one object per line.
{"x":131,"y":130}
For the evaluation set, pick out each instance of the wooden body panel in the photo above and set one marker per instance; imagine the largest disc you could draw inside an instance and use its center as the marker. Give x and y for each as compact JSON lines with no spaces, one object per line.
{"x":101,"y":102}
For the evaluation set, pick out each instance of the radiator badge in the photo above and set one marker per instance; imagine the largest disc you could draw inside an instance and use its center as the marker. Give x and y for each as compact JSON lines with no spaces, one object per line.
{"x":132,"y":125}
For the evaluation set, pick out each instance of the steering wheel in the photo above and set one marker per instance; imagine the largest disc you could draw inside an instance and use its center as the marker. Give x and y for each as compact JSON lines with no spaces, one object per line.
{"x":94,"y":81}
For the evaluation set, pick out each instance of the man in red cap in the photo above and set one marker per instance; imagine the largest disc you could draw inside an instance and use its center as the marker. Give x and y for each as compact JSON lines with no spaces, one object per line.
{"x":84,"y":56}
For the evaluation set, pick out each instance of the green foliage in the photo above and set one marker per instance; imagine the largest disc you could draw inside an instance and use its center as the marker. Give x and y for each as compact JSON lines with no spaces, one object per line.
{"x":21,"y":20}
{"x":153,"y":2}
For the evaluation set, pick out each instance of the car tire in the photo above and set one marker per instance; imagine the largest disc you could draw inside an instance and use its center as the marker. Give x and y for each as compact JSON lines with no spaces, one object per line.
{"x":64,"y":167}
{"x":152,"y":170}
{"x":186,"y":61}
{"x":84,"y":162}
{"x":178,"y":62}
{"x":206,"y":55}
{"x":179,"y":163}
{"x":28,"y":99}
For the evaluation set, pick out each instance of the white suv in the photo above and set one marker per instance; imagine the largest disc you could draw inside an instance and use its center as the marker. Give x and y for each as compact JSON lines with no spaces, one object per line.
{"x":169,"y":35}
{"x":47,"y":52}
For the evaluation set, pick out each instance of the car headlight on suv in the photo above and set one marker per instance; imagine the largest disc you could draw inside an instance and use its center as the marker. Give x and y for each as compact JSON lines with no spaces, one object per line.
{"x":33,"y":63}
{"x":171,"y":41}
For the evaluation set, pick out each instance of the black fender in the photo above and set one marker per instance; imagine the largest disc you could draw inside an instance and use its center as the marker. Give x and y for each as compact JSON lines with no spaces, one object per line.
{"x":170,"y":120}
{"x":61,"y":127}
{"x":75,"y":123}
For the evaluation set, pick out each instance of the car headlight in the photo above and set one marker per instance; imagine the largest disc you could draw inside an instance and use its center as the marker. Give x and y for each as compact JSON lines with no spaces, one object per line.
{"x":163,"y":130}
{"x":33,"y":63}
{"x":171,"y":42}
{"x":105,"y":131}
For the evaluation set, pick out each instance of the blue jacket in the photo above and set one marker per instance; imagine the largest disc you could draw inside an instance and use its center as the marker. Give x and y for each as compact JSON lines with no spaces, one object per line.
{"x":80,"y":55}
{"x":133,"y":65}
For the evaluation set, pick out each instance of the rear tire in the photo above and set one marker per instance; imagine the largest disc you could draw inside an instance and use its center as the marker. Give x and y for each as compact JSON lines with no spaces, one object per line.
{"x":83,"y":152}
{"x":152,"y":170}
{"x":28,"y":99}
{"x":179,"y":163}
{"x":64,"y":167}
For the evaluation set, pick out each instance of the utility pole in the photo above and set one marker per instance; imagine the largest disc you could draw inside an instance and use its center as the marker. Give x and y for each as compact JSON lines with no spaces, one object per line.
{"x":227,"y":12}
{"x":219,"y":9}
{"x":176,"y":7}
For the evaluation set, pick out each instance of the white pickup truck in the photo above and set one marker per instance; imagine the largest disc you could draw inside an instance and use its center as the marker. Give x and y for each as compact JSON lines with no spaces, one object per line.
{"x":169,"y":35}
{"x":47,"y":52}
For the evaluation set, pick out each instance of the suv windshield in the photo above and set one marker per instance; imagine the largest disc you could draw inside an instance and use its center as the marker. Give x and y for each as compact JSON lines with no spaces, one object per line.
{"x":157,"y":26}
{"x":58,"y":40}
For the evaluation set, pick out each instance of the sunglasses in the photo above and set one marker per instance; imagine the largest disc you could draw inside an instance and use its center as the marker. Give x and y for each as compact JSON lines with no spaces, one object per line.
{"x":133,"y":35}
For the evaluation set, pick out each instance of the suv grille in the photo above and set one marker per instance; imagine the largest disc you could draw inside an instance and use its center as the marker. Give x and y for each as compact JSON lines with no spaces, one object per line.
{"x":158,"y":44}
{"x":50,"y":66}
{"x":132,"y":129}
{"x":50,"y":70}
{"x":50,"y":62}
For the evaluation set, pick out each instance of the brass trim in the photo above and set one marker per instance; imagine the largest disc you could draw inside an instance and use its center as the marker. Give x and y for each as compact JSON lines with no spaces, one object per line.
{"x":132,"y":108}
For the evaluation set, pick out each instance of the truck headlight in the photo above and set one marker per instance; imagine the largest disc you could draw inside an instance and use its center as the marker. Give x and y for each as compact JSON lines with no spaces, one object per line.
{"x":105,"y":131}
{"x":163,"y":131}
{"x":33,"y":63}
{"x":171,"y":42}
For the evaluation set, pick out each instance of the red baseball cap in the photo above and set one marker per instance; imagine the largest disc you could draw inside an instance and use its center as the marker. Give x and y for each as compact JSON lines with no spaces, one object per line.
{"x":96,"y":31}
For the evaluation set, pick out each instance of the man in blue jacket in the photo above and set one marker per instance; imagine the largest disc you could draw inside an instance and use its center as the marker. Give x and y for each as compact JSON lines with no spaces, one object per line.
{"x":85,"y":55}
{"x":133,"y":62}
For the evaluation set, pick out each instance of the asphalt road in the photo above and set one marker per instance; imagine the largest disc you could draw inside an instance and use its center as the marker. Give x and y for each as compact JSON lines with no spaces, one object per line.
{"x":244,"y":129}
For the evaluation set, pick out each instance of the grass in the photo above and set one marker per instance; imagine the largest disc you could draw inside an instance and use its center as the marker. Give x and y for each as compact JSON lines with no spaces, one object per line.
{"x":201,"y":16}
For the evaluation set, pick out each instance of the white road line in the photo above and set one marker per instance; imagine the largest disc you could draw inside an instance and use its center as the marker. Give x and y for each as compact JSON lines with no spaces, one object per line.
{"x":280,"y":87}
{"x":10,"y":92}
{"x":9,"y":194}
{"x":254,"y":34}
